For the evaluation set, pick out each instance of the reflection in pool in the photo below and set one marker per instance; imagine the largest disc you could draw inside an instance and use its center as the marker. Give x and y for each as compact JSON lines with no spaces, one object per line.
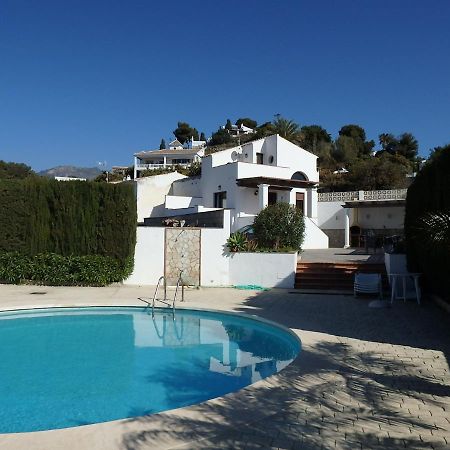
{"x":68,"y":367}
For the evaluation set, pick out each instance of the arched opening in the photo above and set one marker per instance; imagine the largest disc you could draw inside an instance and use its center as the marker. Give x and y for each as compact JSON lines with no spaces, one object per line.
{"x":300,"y":176}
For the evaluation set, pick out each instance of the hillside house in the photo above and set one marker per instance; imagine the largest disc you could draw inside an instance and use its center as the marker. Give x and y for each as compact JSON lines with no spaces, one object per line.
{"x":243,"y":180}
{"x":175,"y":155}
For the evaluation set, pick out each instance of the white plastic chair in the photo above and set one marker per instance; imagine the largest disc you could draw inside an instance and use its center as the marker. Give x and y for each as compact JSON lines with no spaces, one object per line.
{"x":367,"y":283}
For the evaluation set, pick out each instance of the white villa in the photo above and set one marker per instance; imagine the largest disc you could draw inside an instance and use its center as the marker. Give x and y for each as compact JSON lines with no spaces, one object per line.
{"x":184,"y":222}
{"x":175,"y":155}
{"x":243,"y":180}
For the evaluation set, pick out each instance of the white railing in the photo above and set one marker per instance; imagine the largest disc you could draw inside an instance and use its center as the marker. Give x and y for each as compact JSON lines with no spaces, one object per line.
{"x":338,"y":196}
{"x":158,"y":166}
{"x":388,"y":194}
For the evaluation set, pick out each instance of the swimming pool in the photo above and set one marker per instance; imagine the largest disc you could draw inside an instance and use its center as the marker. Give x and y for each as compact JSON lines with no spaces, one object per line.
{"x":66,"y":367}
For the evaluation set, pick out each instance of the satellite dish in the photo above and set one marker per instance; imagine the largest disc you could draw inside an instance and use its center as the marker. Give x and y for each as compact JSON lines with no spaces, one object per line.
{"x":234,"y":155}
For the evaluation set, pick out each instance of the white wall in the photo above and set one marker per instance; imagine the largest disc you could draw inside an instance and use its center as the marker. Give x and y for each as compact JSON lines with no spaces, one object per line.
{"x":331,"y":216}
{"x":214,"y":264}
{"x":223,"y":176}
{"x":189,"y":187}
{"x":263,"y":269}
{"x":315,"y":238}
{"x":298,"y":159}
{"x":381,"y":217}
{"x":151,"y":192}
{"x":148,"y":256}
{"x":177,"y":201}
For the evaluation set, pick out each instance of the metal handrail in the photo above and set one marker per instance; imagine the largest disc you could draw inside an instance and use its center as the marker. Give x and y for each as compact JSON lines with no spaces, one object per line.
{"x":165,"y":300}
{"x":163,"y":278}
{"x":180,"y":281}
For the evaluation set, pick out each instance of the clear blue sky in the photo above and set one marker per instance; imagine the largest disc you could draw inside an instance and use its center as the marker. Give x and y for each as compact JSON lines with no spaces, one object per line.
{"x":88,"y":81}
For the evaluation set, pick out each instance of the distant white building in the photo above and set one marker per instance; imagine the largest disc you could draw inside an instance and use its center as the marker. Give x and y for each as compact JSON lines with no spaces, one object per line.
{"x":237,"y":130}
{"x":158,"y":159}
{"x":176,"y":155}
{"x":69,"y":179}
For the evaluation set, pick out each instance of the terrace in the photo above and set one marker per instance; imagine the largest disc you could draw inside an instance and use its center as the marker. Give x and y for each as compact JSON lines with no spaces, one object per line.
{"x":365,"y":378}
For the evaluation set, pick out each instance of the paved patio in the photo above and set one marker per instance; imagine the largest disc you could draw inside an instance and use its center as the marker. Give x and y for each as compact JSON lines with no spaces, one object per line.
{"x":366,"y":379}
{"x":342,"y":255}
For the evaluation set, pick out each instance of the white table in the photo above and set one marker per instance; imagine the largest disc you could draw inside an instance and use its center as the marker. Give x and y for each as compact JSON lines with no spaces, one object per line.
{"x":402,"y":277}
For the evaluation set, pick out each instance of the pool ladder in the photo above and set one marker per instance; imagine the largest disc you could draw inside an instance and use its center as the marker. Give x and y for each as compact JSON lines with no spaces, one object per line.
{"x":165,"y":301}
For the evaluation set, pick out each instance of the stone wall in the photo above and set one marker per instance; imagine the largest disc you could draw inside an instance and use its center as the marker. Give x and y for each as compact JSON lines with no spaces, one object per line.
{"x":336,"y":238}
{"x":182,"y":253}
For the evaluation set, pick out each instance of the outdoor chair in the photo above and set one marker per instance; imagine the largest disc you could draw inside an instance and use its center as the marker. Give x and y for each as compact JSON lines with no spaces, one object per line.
{"x":367,"y":283}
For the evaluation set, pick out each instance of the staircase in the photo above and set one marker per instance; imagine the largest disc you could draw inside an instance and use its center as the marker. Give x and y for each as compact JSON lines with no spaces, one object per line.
{"x":334,"y":276}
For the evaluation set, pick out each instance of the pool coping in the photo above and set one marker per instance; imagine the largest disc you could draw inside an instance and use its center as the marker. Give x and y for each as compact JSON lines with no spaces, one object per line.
{"x":247,"y":407}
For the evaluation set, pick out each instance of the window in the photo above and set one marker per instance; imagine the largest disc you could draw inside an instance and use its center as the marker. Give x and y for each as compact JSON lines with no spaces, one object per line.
{"x":181,"y":161}
{"x":259,"y":158}
{"x":299,"y":176}
{"x":220,"y":199}
{"x":300,"y":201}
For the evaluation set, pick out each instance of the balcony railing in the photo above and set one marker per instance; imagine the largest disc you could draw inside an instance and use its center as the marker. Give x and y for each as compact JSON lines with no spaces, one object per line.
{"x":159,"y":166}
{"x":388,"y":194}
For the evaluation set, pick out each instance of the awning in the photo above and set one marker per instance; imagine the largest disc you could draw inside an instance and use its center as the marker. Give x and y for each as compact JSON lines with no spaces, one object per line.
{"x":374,"y":203}
{"x":279,"y":183}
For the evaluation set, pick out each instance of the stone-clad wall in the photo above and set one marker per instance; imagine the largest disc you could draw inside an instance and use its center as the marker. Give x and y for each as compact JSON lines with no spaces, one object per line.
{"x":182,"y":247}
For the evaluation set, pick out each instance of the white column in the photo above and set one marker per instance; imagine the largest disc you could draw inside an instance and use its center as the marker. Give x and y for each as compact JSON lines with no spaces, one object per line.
{"x":263,"y":195}
{"x":293,"y":197}
{"x":347,"y":228}
{"x":165,"y":160}
{"x":314,"y":197}
{"x":135,"y":167}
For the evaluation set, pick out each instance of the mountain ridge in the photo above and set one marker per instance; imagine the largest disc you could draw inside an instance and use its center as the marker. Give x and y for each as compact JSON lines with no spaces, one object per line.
{"x":71,"y":171}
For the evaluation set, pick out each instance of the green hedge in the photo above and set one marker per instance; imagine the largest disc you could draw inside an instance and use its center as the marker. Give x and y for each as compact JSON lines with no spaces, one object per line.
{"x":428,"y":194}
{"x":52,"y":269}
{"x":46,"y":219}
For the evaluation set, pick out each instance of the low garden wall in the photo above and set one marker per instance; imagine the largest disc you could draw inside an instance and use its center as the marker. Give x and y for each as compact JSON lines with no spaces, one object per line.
{"x":263,"y":269}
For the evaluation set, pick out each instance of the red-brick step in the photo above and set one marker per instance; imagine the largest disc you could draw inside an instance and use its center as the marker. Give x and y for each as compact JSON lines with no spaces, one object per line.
{"x":334,"y":276}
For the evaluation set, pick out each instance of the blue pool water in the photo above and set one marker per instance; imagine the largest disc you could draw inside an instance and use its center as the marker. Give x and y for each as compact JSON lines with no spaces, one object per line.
{"x":69,"y":367}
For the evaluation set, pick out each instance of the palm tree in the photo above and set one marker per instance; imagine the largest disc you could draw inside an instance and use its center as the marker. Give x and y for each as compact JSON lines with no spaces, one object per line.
{"x":287,"y":129}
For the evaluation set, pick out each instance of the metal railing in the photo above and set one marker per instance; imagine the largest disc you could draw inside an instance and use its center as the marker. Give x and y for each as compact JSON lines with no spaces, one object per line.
{"x":160,"y":166}
{"x":165,"y":301}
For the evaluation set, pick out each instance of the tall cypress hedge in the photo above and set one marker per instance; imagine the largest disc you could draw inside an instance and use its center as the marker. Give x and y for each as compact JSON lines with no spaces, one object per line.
{"x":70,"y":219}
{"x":429,"y":193}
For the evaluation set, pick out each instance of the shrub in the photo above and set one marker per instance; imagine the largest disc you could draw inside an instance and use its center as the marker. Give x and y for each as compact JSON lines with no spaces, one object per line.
{"x":192,"y":170}
{"x":237,"y":242}
{"x":280,"y":226}
{"x":38,"y":215}
{"x":57,"y":270}
{"x":427,"y":202}
{"x":66,"y":232}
